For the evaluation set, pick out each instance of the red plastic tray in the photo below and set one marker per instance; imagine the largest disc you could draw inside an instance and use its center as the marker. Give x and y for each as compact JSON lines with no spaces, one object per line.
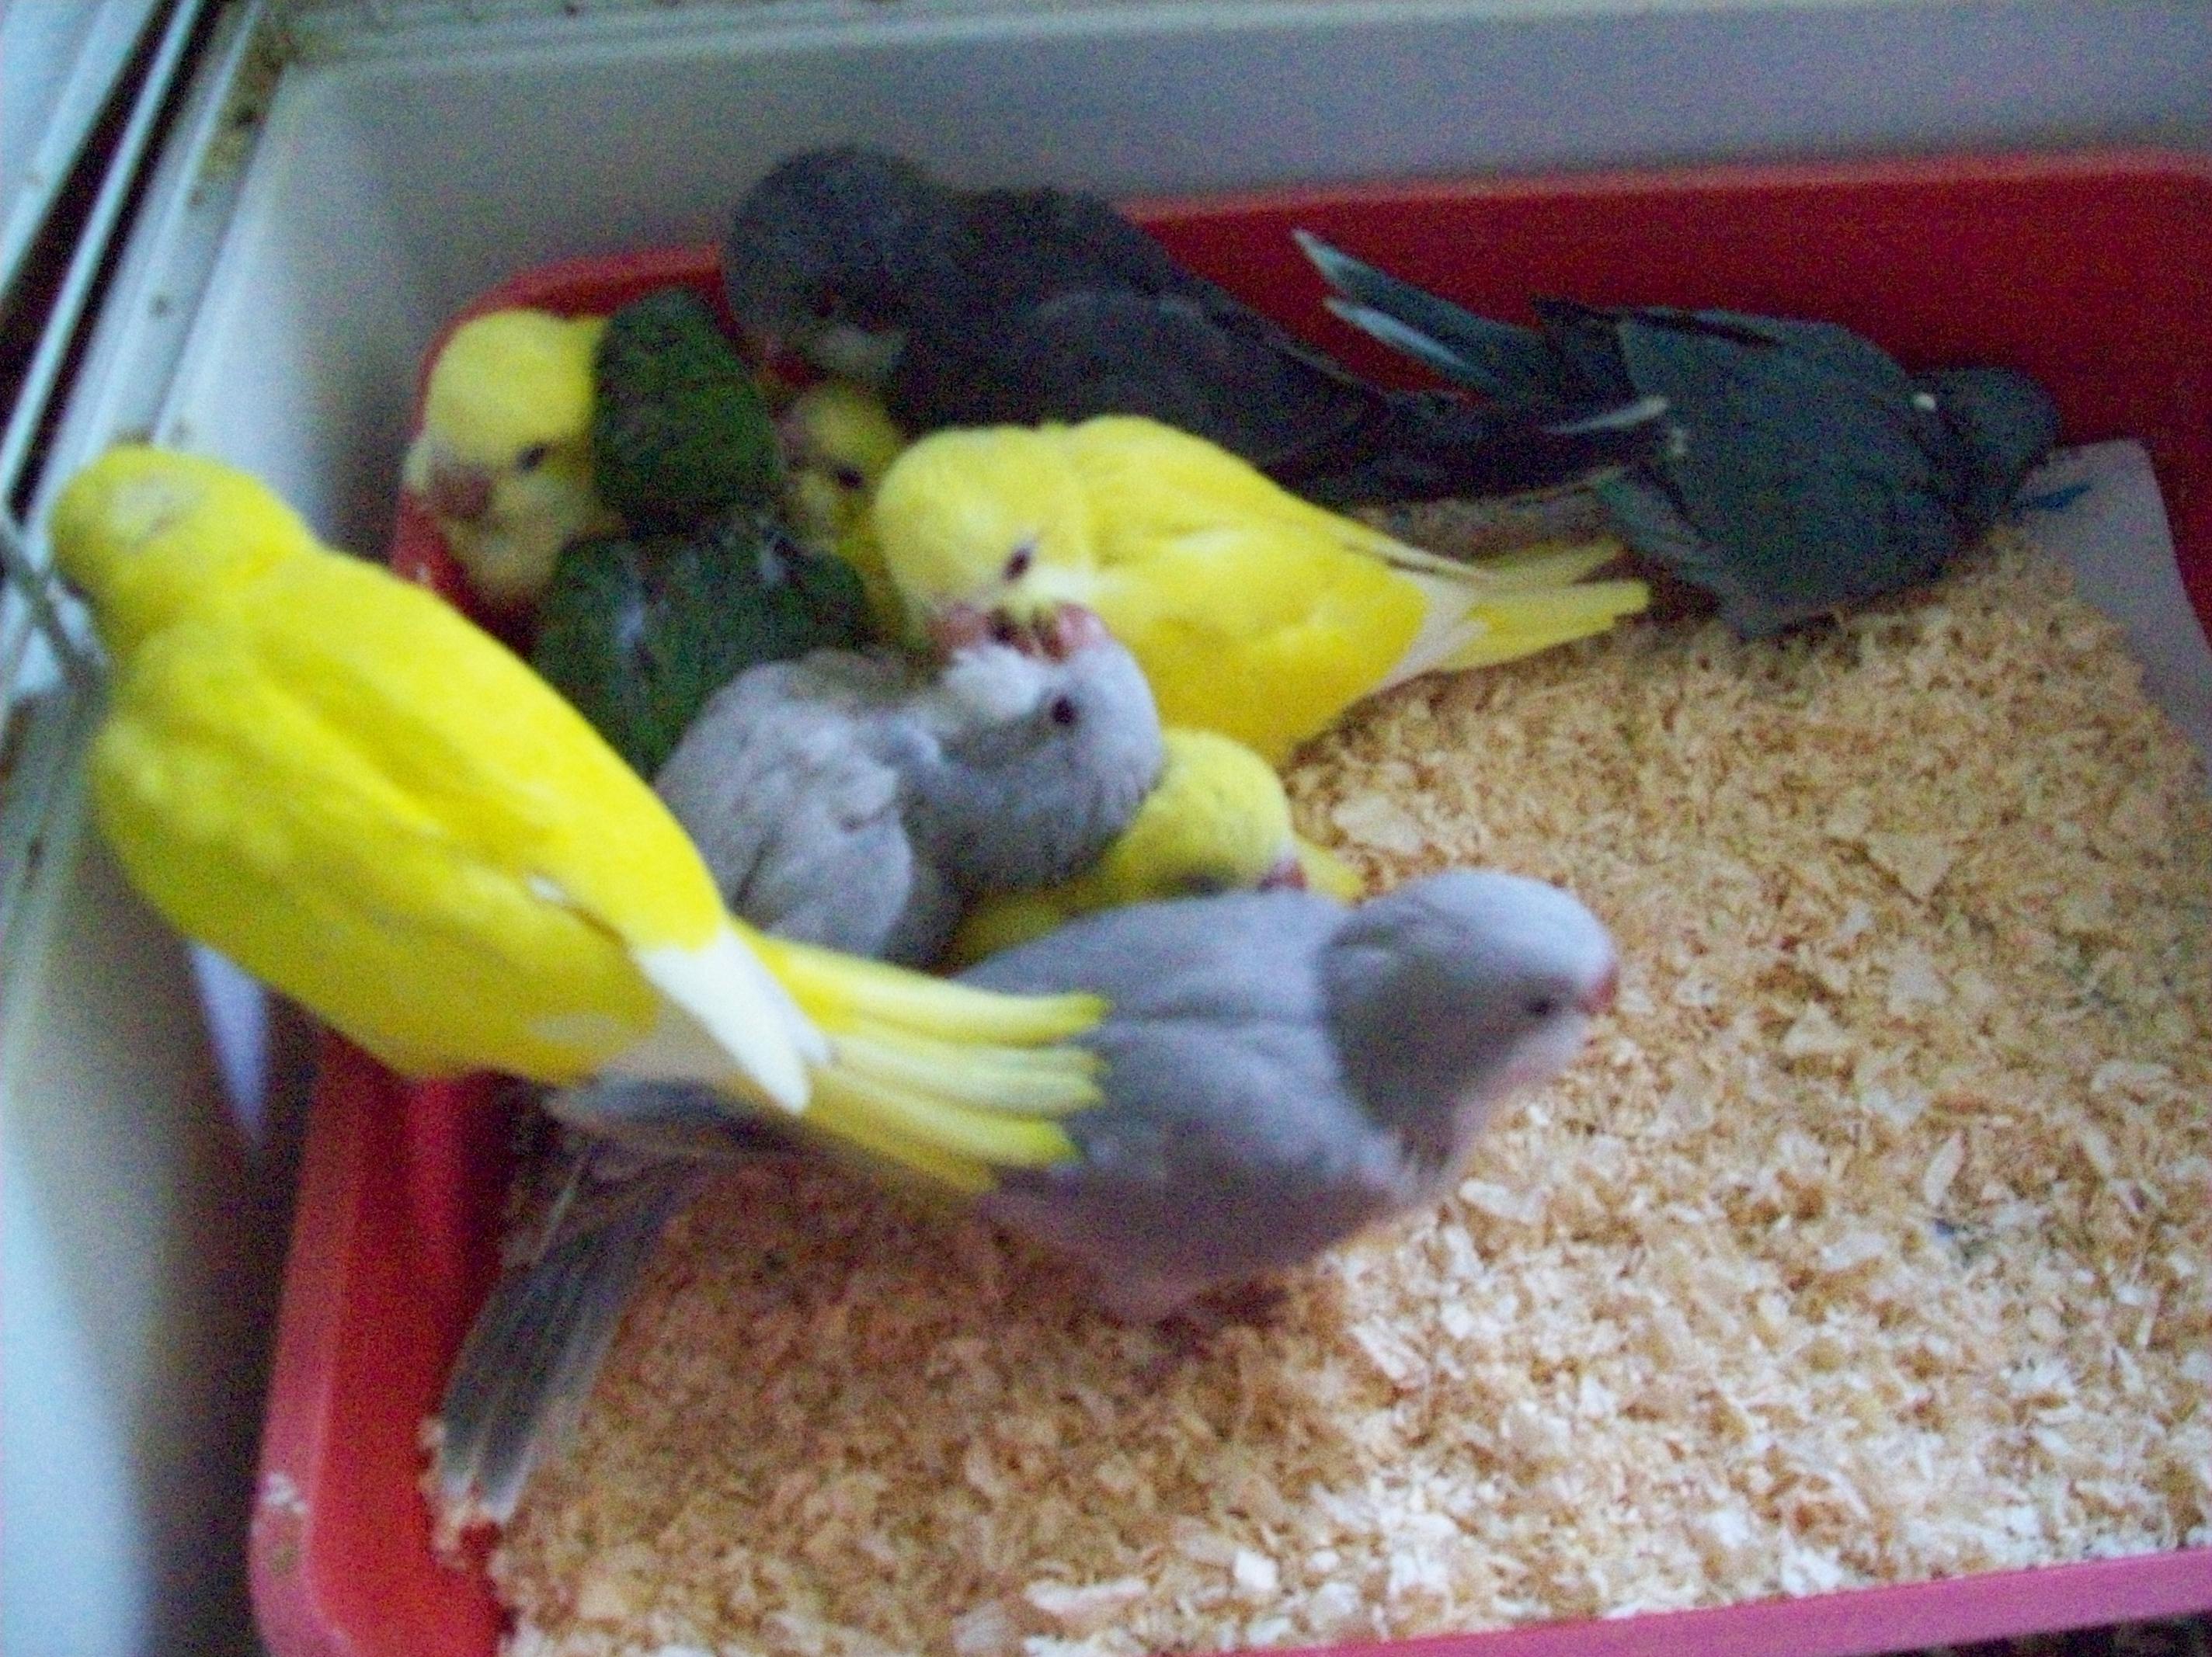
{"x":2092,"y":271}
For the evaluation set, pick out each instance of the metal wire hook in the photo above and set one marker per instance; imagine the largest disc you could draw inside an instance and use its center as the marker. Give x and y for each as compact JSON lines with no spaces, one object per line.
{"x":35,"y":585}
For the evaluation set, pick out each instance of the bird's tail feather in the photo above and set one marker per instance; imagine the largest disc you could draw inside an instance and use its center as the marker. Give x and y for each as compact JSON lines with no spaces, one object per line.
{"x":840,"y":992}
{"x":1495,"y":358}
{"x":1441,"y":447}
{"x":1484,"y":611}
{"x":926,"y":1116}
{"x":1328,"y":873}
{"x":943,"y":1079}
{"x":1545,"y":565}
{"x":1543,"y":430}
{"x":528,"y":1364}
{"x":1505,"y":629}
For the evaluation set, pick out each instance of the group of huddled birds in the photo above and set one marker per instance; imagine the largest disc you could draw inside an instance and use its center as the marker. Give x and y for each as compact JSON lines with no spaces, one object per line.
{"x":913,"y":643}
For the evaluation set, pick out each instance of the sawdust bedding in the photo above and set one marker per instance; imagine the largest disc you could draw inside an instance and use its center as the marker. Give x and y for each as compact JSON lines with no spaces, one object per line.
{"x":1869,"y":1240}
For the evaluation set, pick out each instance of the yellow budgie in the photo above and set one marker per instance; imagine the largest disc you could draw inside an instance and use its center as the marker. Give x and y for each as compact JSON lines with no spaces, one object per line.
{"x":838,"y":443}
{"x":1217,"y":820}
{"x":503,"y":460}
{"x":336,"y":780}
{"x":1253,"y":612}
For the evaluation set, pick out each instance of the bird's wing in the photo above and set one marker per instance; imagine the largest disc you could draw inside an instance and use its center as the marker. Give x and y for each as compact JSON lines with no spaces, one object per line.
{"x":1226,"y":1144}
{"x":796,"y":814}
{"x":482,"y":746}
{"x":255,"y":819}
{"x":1162,"y":481}
{"x":461,"y":741}
{"x":1807,"y":469}
{"x":1261,"y":633}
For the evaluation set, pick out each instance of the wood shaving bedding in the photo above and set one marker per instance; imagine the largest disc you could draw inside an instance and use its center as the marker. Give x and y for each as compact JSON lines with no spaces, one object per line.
{"x":1868,"y":1241}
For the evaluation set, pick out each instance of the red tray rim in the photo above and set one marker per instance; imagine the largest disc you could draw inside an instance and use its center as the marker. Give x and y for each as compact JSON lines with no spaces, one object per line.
{"x":294,"y":1618}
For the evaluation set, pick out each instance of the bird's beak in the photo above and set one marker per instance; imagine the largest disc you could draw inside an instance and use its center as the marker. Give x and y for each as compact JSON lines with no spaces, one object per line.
{"x":1602,"y":992}
{"x":1052,"y":637}
{"x":781,"y":380}
{"x":1070,"y":628}
{"x":459,"y":494}
{"x":1288,"y":874}
{"x":957,"y":628}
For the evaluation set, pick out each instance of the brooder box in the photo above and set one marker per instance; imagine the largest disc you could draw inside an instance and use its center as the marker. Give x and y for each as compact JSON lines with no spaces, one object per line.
{"x":336,"y":181}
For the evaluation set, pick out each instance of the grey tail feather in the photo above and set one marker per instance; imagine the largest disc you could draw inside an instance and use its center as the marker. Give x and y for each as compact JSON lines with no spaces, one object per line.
{"x":1338,"y":268}
{"x":1407,"y":340}
{"x":524,"y":1370}
{"x":1442,"y":447}
{"x":1627,"y":417}
{"x":1498,"y":359}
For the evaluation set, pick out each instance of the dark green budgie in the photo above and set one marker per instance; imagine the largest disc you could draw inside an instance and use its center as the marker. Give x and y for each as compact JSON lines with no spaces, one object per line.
{"x":1814,"y":472}
{"x":639,"y":630}
{"x":680,"y":434}
{"x":638,"y":633}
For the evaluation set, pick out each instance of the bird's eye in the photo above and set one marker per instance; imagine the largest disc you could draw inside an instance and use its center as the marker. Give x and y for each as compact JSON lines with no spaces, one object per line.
{"x":1062,"y":710}
{"x":1018,"y":565}
{"x":847,"y":477}
{"x":1541,"y":1006}
{"x":822,"y":307}
{"x":1003,"y":630}
{"x":534,"y":457}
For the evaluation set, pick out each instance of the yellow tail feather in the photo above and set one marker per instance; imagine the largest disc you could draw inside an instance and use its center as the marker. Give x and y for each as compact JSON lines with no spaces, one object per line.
{"x":939,"y":1079}
{"x":850,"y":1128}
{"x":1556,"y":616}
{"x":842,"y":994}
{"x":1009,"y":1081}
{"x":1329,"y":874}
{"x":1547,"y":564}
{"x":893,"y":1113}
{"x":1551,"y":564}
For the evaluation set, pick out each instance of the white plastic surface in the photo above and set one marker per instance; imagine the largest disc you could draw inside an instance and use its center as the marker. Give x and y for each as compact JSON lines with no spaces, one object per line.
{"x":141,"y":1240}
{"x":388,"y":187}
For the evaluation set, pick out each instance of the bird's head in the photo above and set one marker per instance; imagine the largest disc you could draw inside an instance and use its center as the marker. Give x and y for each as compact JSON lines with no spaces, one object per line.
{"x":503,"y":461}
{"x":1051,"y":743}
{"x":145,"y":532}
{"x":815,"y":261}
{"x":1452,"y":992}
{"x":838,"y":441}
{"x":1217,"y":820}
{"x":991,"y":520}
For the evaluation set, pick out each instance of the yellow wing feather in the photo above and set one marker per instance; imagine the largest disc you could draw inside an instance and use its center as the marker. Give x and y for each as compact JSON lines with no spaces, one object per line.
{"x":1217,"y":820}
{"x":326,"y":774}
{"x":1253,"y":612}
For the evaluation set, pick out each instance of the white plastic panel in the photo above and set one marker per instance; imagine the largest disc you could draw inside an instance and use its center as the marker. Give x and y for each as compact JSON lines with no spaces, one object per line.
{"x":141,"y":1240}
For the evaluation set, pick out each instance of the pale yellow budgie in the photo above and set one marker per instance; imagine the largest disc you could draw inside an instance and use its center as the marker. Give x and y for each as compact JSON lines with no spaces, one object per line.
{"x":838,"y":442}
{"x":503,"y":460}
{"x":329,"y":775}
{"x":1217,"y":820}
{"x":1253,"y":612}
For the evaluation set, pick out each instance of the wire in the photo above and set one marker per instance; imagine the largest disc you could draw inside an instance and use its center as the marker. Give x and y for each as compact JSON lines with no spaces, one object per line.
{"x":34,"y":587}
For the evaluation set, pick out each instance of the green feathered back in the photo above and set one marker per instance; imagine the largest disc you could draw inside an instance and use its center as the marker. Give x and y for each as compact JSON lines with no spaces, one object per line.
{"x":681,"y":434}
{"x":638,"y":634}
